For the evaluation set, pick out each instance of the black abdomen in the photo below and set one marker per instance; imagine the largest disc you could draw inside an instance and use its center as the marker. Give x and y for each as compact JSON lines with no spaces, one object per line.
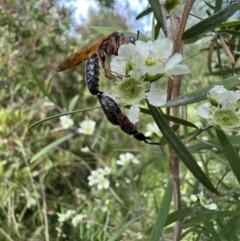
{"x":92,"y":74}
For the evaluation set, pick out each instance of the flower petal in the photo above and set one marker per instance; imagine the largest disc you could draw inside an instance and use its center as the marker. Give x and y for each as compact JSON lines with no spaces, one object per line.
{"x":179,"y":69}
{"x":162,"y":48}
{"x":156,"y":97}
{"x":133,"y":114}
{"x":173,"y":61}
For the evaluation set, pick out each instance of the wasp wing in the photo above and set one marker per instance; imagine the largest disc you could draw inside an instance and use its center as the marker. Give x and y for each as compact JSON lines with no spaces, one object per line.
{"x":82,"y":54}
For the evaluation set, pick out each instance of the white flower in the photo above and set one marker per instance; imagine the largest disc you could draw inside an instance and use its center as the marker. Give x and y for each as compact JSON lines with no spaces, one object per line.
{"x":193,"y":198}
{"x":87,"y":127}
{"x":66,"y":121}
{"x":98,"y":178}
{"x":152,"y":129}
{"x":103,"y":183}
{"x":212,"y":206}
{"x":223,"y":108}
{"x":85,"y":149}
{"x":94,"y":177}
{"x":78,"y":219}
{"x":128,"y":62}
{"x":203,"y":201}
{"x":216,"y":91}
{"x":126,"y":159}
{"x":106,"y":171}
{"x":62,"y":217}
{"x":158,"y":60}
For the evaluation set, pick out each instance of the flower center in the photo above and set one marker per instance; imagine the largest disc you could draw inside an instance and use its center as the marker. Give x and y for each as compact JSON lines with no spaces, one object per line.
{"x":149,"y":61}
{"x":131,"y":90}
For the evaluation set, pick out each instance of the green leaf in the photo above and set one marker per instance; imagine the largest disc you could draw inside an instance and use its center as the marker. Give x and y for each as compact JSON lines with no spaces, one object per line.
{"x":210,"y":215}
{"x":234,"y":23}
{"x":230,"y":152}
{"x":218,"y":5}
{"x":213,"y":143}
{"x":73,"y":103}
{"x":144,"y":13}
{"x":178,"y":215}
{"x":229,"y":225}
{"x":229,"y":31}
{"x":201,"y":94}
{"x":41,"y":86}
{"x":203,"y":145}
{"x":50,"y":147}
{"x":155,"y":4}
{"x":210,"y":228}
{"x":117,"y":233}
{"x":59,"y":115}
{"x":162,"y":213}
{"x":180,"y":149}
{"x":171,"y":118}
{"x":211,"y":22}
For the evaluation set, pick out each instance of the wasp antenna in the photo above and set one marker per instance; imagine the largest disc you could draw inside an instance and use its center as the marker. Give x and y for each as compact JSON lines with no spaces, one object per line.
{"x":138,"y":33}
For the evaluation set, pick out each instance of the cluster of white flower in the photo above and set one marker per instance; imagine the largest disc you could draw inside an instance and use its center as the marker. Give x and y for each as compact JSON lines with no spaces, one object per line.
{"x":127,"y":158}
{"x":203,"y":201}
{"x":140,"y":68}
{"x":70,"y":214}
{"x":222,"y":109}
{"x":62,"y":217}
{"x":87,"y":126}
{"x":98,"y":178}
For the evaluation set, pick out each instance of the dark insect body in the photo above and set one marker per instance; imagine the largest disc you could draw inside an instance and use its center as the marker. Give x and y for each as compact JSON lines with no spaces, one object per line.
{"x":116,"y":117}
{"x":95,"y":53}
{"x":108,"y":48}
{"x":92,"y":74}
{"x":110,"y":108}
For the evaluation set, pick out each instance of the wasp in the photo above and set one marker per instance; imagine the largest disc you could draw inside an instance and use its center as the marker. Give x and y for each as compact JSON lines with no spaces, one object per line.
{"x":94,"y":53}
{"x":105,"y":46}
{"x":115,"y":115}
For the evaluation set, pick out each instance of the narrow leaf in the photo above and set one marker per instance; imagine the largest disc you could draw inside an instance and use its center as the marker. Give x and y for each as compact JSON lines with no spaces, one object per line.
{"x":50,"y":147}
{"x":201,"y":94}
{"x":162,"y":213}
{"x":116,"y":235}
{"x":59,"y":115}
{"x":233,"y":23}
{"x":172,"y":119}
{"x":229,"y":225}
{"x":155,"y":4}
{"x":229,"y":31}
{"x":210,"y":228}
{"x":210,"y":215}
{"x":144,"y":13}
{"x":230,"y":152}
{"x":180,"y":149}
{"x":218,"y":5}
{"x":211,"y":22}
{"x":178,"y":215}
{"x":73,"y":103}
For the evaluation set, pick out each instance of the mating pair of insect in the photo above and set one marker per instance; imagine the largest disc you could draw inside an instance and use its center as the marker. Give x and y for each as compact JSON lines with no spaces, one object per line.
{"x":95,"y":54}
